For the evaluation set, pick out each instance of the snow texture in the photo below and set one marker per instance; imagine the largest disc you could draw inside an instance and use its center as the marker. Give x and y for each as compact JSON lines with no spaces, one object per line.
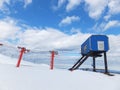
{"x":39,"y":77}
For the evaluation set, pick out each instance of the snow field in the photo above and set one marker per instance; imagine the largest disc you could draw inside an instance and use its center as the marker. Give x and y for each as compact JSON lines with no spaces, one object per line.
{"x":39,"y":77}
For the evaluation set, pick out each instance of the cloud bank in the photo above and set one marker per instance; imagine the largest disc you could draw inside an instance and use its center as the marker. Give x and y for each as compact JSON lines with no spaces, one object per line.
{"x":46,"y":39}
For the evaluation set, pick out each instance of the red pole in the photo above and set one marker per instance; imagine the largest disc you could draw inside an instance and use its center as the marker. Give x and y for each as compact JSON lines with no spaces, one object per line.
{"x":52,"y":60}
{"x":20,"y":57}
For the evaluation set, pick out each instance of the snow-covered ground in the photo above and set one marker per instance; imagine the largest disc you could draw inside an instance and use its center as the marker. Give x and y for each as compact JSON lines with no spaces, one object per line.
{"x":38,"y":77}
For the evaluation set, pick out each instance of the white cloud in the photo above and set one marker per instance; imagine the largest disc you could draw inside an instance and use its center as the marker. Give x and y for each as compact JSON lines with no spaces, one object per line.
{"x":38,"y":38}
{"x":106,"y":25}
{"x":107,"y":17}
{"x":114,"y":6}
{"x":113,"y":9}
{"x":68,"y":20}
{"x":96,"y":7}
{"x":72,"y":4}
{"x":114,"y":43}
{"x":50,"y":38}
{"x":27,"y":2}
{"x":2,"y":2}
{"x":61,"y":2}
{"x":8,"y":29}
{"x":111,"y":24}
{"x":3,"y":6}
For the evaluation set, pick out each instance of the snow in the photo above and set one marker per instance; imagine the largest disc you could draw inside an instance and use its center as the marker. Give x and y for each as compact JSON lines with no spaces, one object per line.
{"x":39,"y":77}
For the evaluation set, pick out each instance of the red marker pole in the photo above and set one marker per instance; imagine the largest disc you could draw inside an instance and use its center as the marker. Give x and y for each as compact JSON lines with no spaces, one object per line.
{"x":53,"y":53}
{"x":52,"y":60}
{"x":20,"y":57}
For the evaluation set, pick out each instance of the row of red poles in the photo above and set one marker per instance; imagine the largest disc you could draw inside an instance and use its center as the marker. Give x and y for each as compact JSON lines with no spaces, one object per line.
{"x":24,"y":50}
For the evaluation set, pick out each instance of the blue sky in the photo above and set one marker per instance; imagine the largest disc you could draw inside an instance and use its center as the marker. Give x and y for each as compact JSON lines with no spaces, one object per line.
{"x":45,"y":25}
{"x":87,"y":16}
{"x":61,"y":24}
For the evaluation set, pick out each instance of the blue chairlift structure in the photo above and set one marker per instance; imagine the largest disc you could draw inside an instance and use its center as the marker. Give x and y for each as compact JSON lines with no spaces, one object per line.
{"x":93,"y":47}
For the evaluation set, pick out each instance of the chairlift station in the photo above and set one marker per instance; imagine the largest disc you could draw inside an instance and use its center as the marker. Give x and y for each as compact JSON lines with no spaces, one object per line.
{"x":93,"y":47}
{"x":95,"y":44}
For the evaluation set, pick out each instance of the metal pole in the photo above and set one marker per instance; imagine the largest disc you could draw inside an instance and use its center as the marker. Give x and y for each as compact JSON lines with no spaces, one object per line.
{"x":52,"y":60}
{"x":94,"y":64}
{"x":20,"y":57}
{"x":105,"y":62}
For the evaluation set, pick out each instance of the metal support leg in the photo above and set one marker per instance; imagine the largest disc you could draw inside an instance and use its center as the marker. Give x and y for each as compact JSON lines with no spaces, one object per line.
{"x":105,"y":62}
{"x":94,"y":66}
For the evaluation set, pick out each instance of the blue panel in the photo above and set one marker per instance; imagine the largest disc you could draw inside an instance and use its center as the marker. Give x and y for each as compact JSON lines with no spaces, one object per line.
{"x":85,"y":47}
{"x":97,"y":43}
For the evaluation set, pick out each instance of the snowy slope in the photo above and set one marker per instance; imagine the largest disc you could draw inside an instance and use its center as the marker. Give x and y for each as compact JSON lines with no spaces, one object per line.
{"x":38,"y":77}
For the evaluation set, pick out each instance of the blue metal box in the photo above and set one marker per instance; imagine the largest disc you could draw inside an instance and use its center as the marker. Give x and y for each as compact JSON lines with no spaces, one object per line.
{"x":95,"y":43}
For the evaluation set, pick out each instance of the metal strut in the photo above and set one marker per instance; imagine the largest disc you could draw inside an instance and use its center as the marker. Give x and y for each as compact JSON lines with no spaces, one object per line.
{"x":76,"y":63}
{"x":105,"y":62}
{"x":79,"y":62}
{"x":94,"y":55}
{"x":94,"y":64}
